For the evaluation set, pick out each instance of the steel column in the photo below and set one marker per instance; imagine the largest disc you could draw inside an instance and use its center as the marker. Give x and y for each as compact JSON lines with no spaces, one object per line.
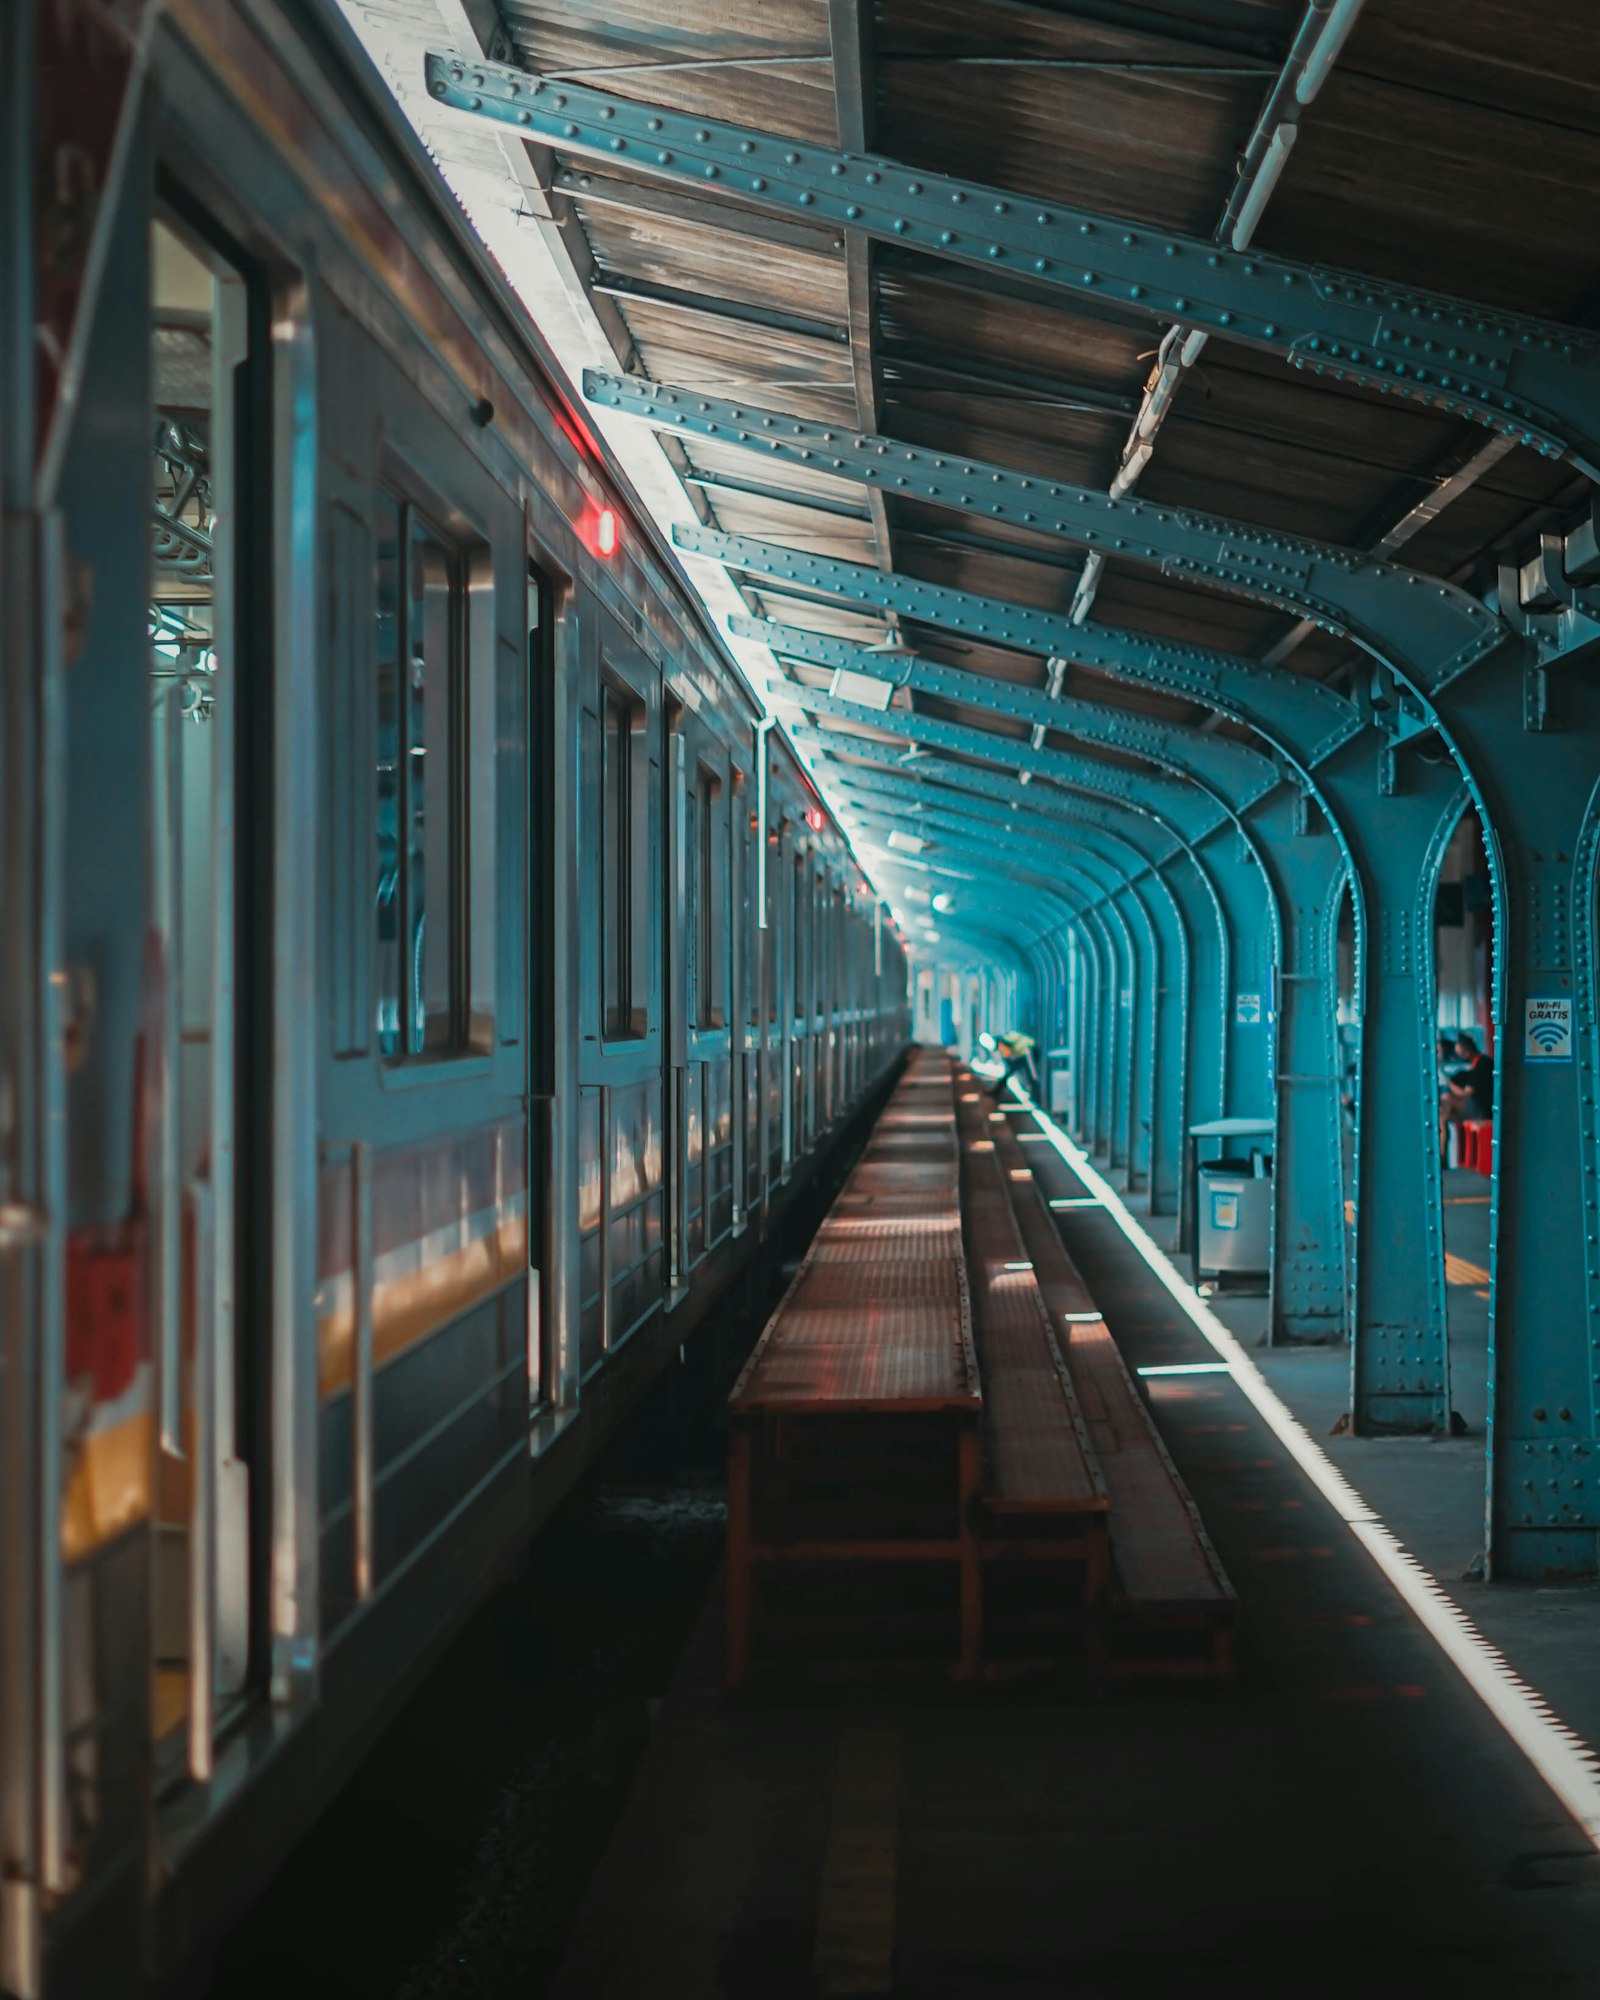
{"x":1309,"y":866}
{"x":1534,"y":734}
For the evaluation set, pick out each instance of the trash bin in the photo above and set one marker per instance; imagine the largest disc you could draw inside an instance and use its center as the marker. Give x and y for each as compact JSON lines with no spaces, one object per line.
{"x":1232,"y":1234}
{"x":1235,"y":1219}
{"x":1058,"y":1079}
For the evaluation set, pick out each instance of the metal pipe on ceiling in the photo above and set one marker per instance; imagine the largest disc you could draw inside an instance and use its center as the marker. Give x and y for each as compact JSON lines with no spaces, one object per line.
{"x":1323,"y":32}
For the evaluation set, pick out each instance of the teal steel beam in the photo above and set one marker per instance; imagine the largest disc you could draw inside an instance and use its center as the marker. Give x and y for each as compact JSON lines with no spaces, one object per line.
{"x":1152,"y":883}
{"x":1305,"y":719}
{"x":1114,"y":1074}
{"x":1233,"y":883}
{"x":1122,"y":923}
{"x":1531,"y":379}
{"x":1428,"y":632}
{"x":1233,"y":773}
{"x":1190,"y":812}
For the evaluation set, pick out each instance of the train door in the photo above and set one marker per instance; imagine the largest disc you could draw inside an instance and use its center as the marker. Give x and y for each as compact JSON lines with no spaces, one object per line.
{"x":699,"y":1091}
{"x":201,"y":365}
{"x":623,"y":1228}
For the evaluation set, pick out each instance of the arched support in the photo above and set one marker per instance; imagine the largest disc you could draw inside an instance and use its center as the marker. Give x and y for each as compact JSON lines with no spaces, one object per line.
{"x":1381,"y":798}
{"x":1134,"y":855}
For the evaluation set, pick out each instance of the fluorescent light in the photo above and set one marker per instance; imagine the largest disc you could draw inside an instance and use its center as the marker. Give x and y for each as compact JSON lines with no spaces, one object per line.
{"x":867,"y":689}
{"x":906,"y":843}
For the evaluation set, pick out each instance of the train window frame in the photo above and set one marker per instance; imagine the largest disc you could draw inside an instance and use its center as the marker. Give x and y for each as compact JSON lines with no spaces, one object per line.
{"x":624,"y":860}
{"x":464,"y":975}
{"x":712,"y":875}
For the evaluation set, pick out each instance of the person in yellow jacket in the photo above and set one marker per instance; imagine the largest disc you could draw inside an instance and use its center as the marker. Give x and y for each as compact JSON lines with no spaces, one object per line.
{"x":1015,"y":1051}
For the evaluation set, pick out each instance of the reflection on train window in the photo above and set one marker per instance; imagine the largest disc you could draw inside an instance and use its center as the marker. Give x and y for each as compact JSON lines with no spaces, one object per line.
{"x":623,"y":803}
{"x":200,"y":354}
{"x":711,"y":889}
{"x":419,"y":654}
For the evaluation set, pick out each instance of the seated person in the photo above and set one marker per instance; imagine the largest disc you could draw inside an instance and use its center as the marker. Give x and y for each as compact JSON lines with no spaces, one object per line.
{"x":1016,"y":1053}
{"x":1469,"y":1093}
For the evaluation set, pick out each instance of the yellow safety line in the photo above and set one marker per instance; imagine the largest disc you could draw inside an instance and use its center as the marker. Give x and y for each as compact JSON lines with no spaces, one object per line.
{"x":855,"y":1907}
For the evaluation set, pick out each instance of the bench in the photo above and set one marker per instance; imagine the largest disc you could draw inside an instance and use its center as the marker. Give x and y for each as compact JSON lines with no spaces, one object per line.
{"x":1171,"y":1607}
{"x":1044,"y":1499}
{"x":854,"y":1441}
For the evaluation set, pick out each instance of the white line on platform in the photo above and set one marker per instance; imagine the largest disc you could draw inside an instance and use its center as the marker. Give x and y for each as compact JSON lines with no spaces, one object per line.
{"x":1561,"y":1757}
{"x":1186,"y":1367}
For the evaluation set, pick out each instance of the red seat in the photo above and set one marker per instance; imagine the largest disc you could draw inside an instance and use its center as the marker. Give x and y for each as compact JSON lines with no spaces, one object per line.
{"x":1477,"y":1144}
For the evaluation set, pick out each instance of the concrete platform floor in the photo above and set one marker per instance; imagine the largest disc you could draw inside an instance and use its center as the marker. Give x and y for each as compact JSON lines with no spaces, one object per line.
{"x":1345,"y":1818}
{"x":1430,"y":1491}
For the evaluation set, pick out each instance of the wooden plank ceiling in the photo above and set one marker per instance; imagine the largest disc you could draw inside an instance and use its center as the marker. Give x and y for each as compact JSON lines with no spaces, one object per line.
{"x":1450,"y":148}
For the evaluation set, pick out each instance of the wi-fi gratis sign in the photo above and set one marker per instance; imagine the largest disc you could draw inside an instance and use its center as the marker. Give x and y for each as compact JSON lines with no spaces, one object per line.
{"x":1547,"y":1029}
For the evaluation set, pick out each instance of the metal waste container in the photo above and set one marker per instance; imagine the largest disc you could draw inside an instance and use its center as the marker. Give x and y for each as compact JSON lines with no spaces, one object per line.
{"x":1233,"y":1201}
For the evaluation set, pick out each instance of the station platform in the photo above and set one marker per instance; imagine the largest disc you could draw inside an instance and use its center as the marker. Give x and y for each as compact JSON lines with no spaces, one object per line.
{"x":1430,"y":1491}
{"x":1342,"y":1814}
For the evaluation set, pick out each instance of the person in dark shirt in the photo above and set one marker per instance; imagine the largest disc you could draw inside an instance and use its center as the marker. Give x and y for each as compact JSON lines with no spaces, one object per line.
{"x":1469,"y":1093}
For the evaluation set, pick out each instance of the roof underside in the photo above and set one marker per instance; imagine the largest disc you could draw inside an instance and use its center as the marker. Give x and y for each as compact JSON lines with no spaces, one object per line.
{"x":1448,"y":149}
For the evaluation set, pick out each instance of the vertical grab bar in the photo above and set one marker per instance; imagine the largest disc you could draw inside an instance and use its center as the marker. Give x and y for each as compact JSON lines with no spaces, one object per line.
{"x":203,"y":1502}
{"x":51,"y":1107}
{"x":362,"y":1282}
{"x":169,"y":1165}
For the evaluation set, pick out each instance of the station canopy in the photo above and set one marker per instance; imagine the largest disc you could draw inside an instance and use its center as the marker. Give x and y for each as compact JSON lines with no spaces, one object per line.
{"x":1097,"y":245}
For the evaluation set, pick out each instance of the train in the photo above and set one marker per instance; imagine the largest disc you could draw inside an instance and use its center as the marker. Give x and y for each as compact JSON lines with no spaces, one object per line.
{"x":428,"y":977}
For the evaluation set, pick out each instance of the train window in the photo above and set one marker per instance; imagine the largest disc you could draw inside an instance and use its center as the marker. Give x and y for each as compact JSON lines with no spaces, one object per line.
{"x":421,"y":606}
{"x":711,"y":891}
{"x":623,"y":803}
{"x":204,"y":355}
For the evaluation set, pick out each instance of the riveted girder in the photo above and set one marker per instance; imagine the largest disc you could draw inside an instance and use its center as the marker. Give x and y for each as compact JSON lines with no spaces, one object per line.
{"x":1145,"y":873}
{"x":1187,"y":810}
{"x":1305,"y":719}
{"x":1233,"y":773}
{"x":1242,"y":910}
{"x":1427,"y":631}
{"x":1531,"y":379}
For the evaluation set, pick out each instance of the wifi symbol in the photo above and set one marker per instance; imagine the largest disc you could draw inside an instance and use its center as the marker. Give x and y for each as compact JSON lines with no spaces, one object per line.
{"x":1547,"y":1036}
